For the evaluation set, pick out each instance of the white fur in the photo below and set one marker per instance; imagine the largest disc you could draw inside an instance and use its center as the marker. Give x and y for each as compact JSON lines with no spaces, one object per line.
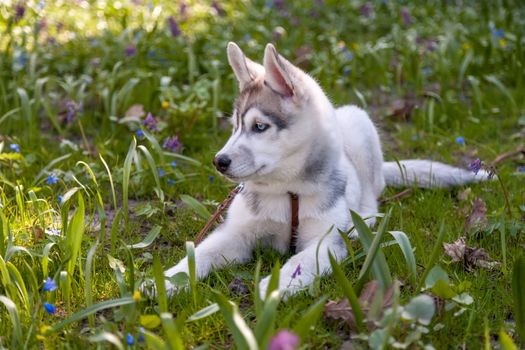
{"x":351,"y":143}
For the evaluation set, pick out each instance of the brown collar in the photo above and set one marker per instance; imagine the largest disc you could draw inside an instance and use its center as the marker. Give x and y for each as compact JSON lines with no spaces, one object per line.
{"x":294,"y":203}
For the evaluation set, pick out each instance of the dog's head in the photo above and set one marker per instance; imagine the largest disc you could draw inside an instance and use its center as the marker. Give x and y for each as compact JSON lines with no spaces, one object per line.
{"x":275,"y":119}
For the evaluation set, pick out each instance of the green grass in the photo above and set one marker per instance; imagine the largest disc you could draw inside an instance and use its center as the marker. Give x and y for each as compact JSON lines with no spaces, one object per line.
{"x":66,"y":94}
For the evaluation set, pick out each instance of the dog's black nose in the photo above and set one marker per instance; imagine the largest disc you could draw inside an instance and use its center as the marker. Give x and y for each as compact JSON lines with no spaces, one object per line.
{"x":222,"y":162}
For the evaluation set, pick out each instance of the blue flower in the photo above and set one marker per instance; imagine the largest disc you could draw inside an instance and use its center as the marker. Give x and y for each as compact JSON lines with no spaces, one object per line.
{"x":173,"y":164}
{"x":50,"y":308}
{"x":161,"y":172}
{"x":51,"y":179}
{"x":460,"y":140}
{"x":130,"y":340}
{"x":141,"y":338}
{"x":349,"y":56}
{"x":171,"y":182}
{"x":211,"y":178}
{"x":71,"y":110}
{"x":139,"y":133}
{"x":60,"y":199}
{"x":15,"y":147}
{"x":497,"y":33}
{"x":50,"y":285}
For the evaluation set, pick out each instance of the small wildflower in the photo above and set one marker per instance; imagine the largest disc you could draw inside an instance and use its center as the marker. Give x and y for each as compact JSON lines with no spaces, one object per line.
{"x":247,"y":37}
{"x":284,"y":340}
{"x":172,"y":143}
{"x":297,"y":271}
{"x":497,"y":33}
{"x":171,"y":182}
{"x":349,"y":56}
{"x":51,"y":180}
{"x":427,"y":71}
{"x":342,"y":46}
{"x":165,"y":104}
{"x":405,"y":16}
{"x":71,"y":109}
{"x":130,"y":340}
{"x":211,"y":178}
{"x":475,"y":166}
{"x":20,"y":10}
{"x":44,"y":329}
{"x":347,"y":70}
{"x":136,"y":295}
{"x":50,"y":285}
{"x":130,"y":50}
{"x":150,"y":122}
{"x":520,"y":169}
{"x":502,"y":43}
{"x":183,"y":9}
{"x":141,"y":338}
{"x":218,"y":9}
{"x":466,"y":46}
{"x":460,"y":140}
{"x":14,"y":147}
{"x":50,"y":308}
{"x":173,"y":164}
{"x":161,"y":172}
{"x":366,"y":10}
{"x":60,"y":199}
{"x":174,"y":27}
{"x":139,"y":133}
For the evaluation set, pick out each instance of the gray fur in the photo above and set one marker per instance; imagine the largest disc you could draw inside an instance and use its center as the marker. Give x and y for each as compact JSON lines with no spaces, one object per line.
{"x":253,"y":200}
{"x":316,"y":164}
{"x":336,"y":189}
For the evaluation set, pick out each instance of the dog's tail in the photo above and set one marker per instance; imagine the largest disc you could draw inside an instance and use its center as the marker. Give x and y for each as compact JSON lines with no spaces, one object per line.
{"x":428,"y":174}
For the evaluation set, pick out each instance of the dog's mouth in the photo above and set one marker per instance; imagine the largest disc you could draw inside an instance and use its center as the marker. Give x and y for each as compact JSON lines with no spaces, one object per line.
{"x":244,"y":177}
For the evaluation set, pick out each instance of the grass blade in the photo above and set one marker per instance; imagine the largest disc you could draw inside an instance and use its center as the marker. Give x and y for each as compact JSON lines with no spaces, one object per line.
{"x":433,"y":256}
{"x":171,"y":331}
{"x":518,"y":293}
{"x":158,"y":273}
{"x":148,"y":240}
{"x":404,"y":243}
{"x":196,"y":206}
{"x":309,"y":318}
{"x":109,"y":337}
{"x":154,"y":170}
{"x":266,"y":322}
{"x":88,"y":292}
{"x":190,"y":252}
{"x":126,"y":173}
{"x":348,"y":292}
{"x":203,"y":313}
{"x":15,"y":320}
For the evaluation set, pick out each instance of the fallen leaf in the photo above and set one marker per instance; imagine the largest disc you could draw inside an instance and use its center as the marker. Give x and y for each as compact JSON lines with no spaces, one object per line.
{"x":342,"y":310}
{"x":464,"y":195}
{"x":477,"y":221}
{"x":470,"y":256}
{"x":136,"y":110}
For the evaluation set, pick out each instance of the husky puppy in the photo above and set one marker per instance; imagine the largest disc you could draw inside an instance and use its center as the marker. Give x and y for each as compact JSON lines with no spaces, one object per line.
{"x":288,"y":138}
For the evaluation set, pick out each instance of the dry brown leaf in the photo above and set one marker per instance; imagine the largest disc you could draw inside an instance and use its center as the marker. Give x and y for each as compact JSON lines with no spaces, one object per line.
{"x":470,"y":256}
{"x":136,"y":110}
{"x":477,"y":221}
{"x":342,"y":310}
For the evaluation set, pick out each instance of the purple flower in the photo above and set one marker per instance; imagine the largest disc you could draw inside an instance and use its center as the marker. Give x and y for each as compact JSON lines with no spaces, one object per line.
{"x":50,"y":308}
{"x":427,"y":71}
{"x":51,"y":180}
{"x":284,"y":340}
{"x":161,"y":172}
{"x":183,"y":9}
{"x":50,"y":285}
{"x":173,"y":164}
{"x":174,"y":27}
{"x":297,"y":271}
{"x":150,"y":122}
{"x":280,"y":4}
{"x":366,"y":10}
{"x":130,"y":50}
{"x":71,"y":109}
{"x":460,"y":140}
{"x":475,"y":166}
{"x":130,"y":340}
{"x":14,"y":147}
{"x":349,"y":56}
{"x":139,"y":133}
{"x":405,"y":15}
{"x":20,"y":10}
{"x":218,"y":9}
{"x":172,"y":143}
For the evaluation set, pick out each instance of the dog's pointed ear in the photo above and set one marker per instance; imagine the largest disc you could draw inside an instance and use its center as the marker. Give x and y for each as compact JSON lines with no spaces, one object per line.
{"x":277,"y":72}
{"x":245,"y":69}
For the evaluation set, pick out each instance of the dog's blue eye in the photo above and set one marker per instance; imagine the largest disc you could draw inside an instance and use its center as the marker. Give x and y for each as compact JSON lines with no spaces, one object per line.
{"x":260,"y":127}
